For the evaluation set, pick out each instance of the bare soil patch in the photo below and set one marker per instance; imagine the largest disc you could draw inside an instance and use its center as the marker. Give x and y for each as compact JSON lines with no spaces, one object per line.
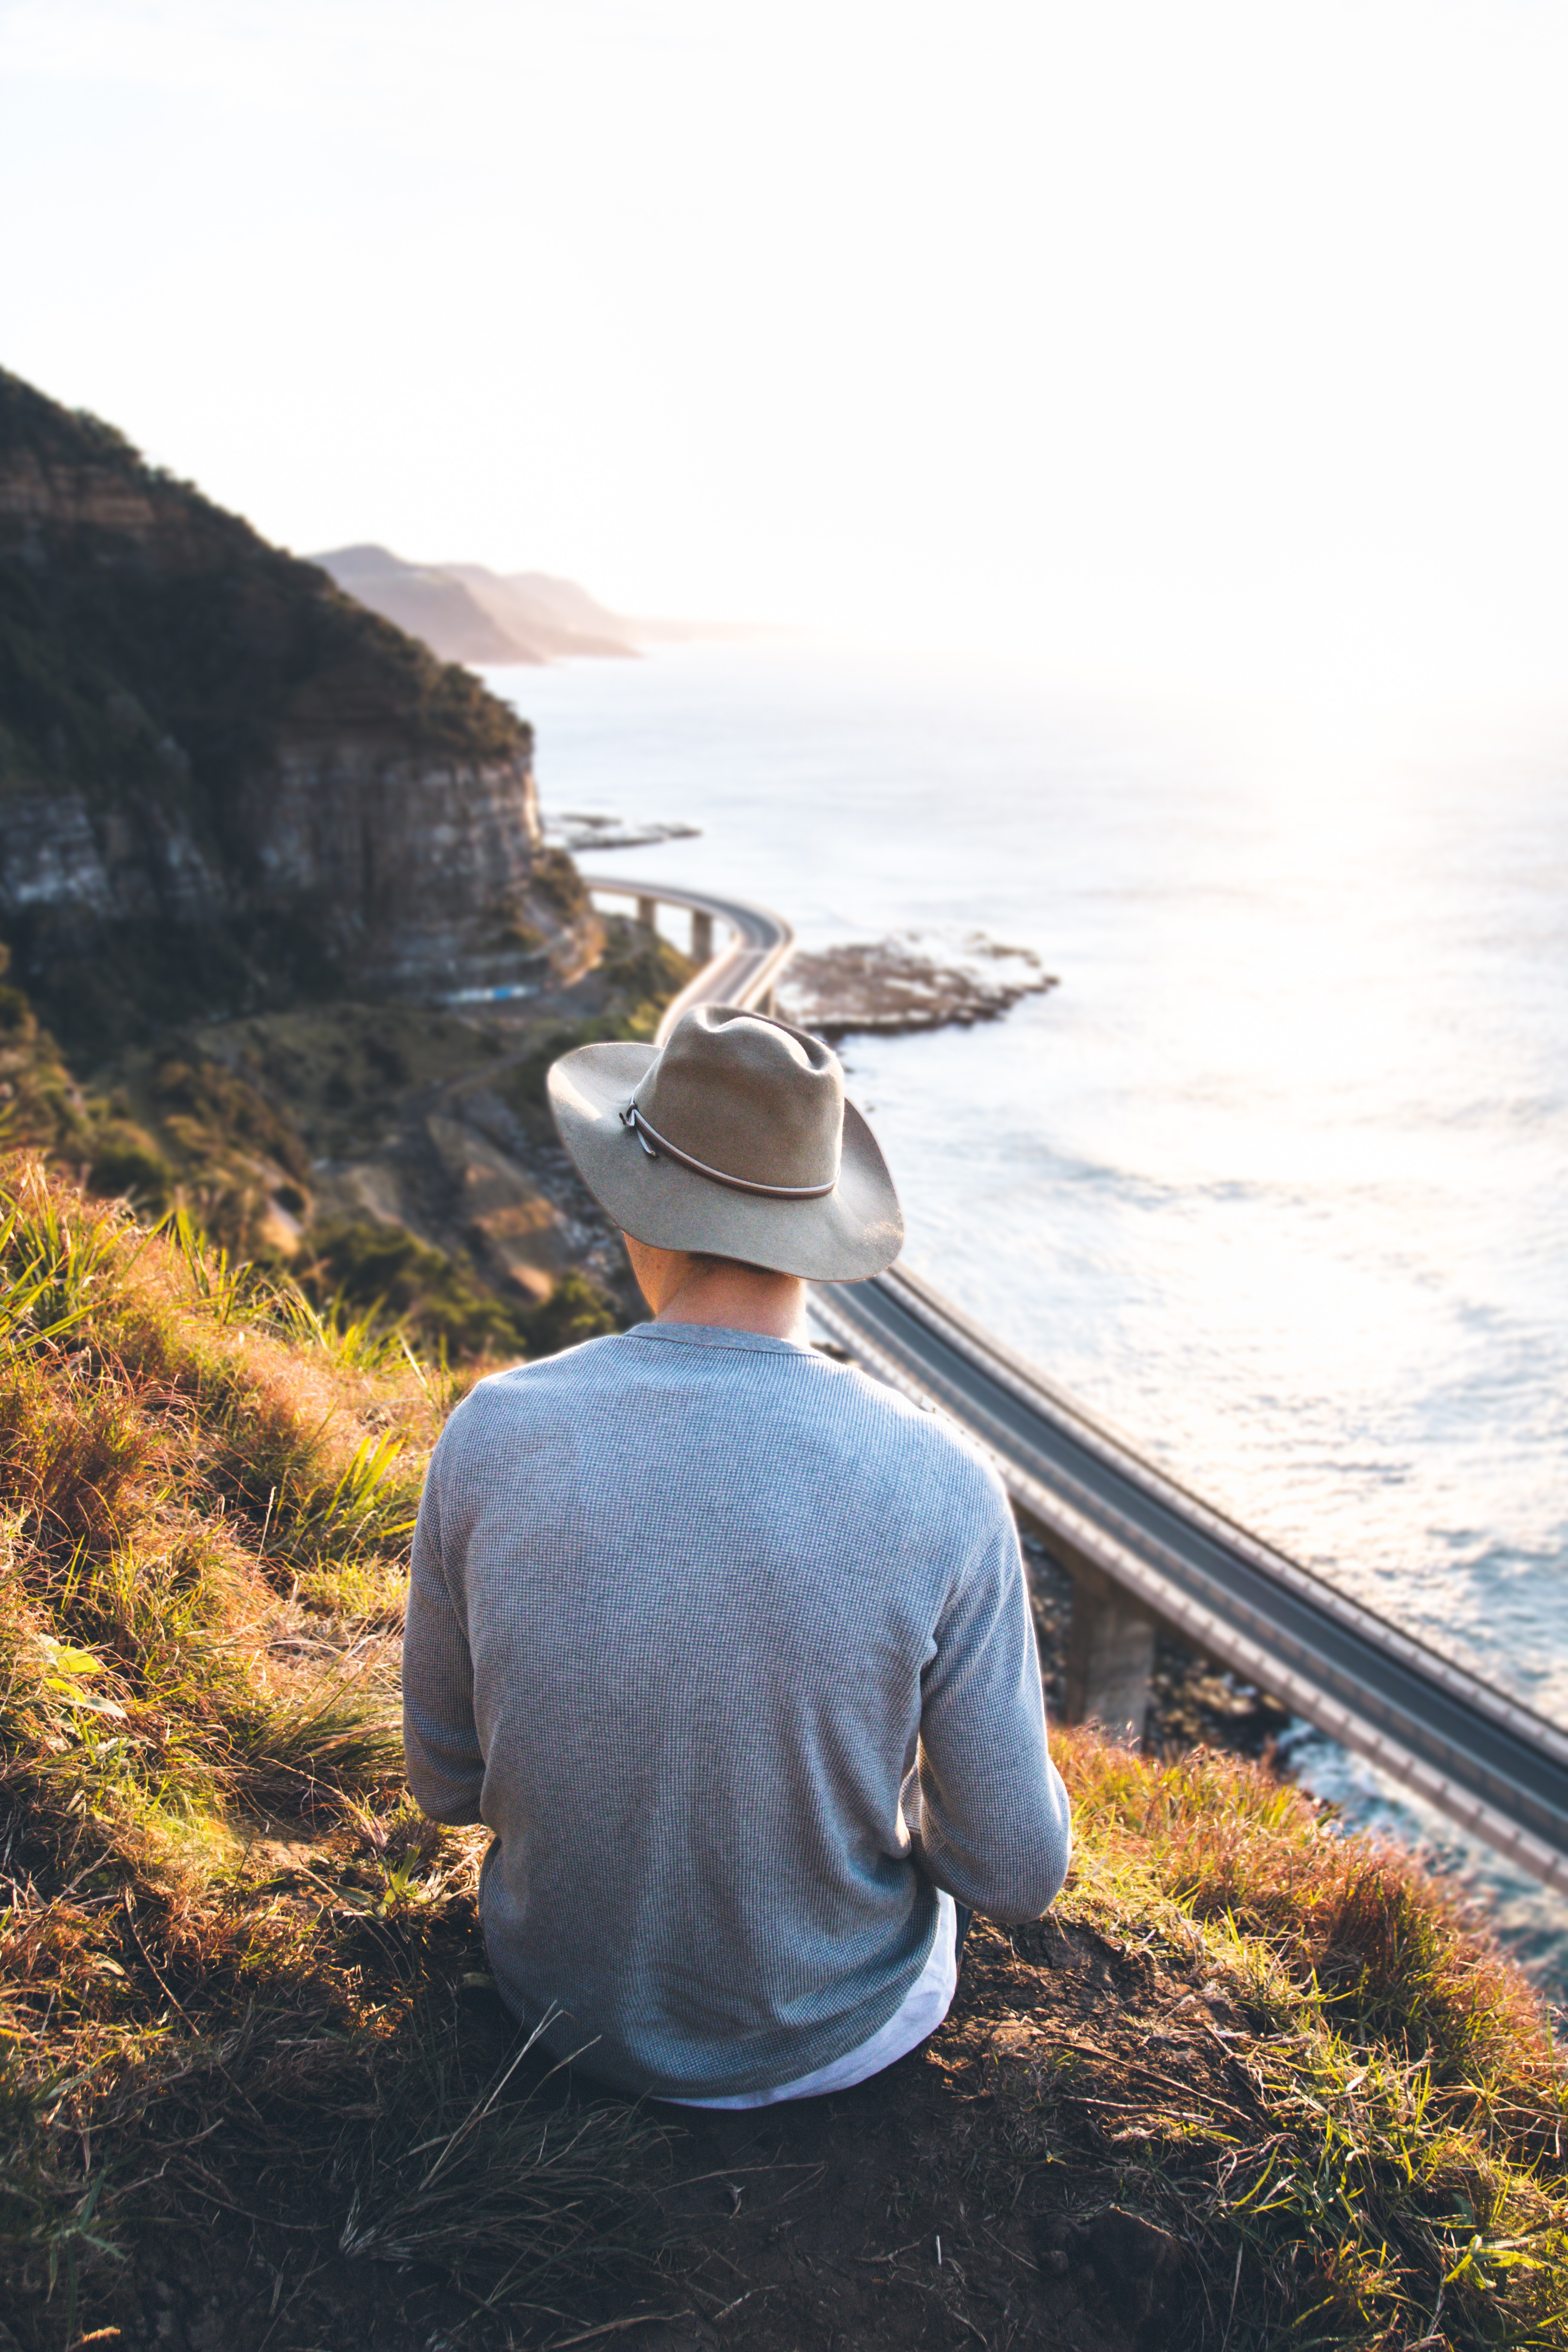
{"x":976,"y":2193}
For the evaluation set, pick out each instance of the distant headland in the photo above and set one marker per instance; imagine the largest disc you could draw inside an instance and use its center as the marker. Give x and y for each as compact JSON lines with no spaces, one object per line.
{"x":465,"y":613}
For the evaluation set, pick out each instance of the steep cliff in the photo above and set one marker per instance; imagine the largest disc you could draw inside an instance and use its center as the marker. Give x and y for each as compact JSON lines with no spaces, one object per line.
{"x":223,"y":784}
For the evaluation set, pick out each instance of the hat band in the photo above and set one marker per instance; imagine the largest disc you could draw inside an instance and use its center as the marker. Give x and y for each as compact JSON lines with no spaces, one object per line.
{"x":656,"y":1146}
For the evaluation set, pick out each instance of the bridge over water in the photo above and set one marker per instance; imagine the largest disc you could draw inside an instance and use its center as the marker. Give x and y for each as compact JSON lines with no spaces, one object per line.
{"x":1144,"y":1550}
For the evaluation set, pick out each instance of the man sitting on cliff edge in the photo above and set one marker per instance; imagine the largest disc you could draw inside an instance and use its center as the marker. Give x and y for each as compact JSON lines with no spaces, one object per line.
{"x":727,"y":1644}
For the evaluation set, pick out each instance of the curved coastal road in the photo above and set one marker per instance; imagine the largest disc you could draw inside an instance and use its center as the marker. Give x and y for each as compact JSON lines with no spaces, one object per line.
{"x":1496,"y":1767}
{"x":743,"y":971}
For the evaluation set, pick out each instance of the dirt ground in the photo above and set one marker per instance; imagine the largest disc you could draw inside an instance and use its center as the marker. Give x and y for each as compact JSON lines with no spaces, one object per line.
{"x":977,"y":2192}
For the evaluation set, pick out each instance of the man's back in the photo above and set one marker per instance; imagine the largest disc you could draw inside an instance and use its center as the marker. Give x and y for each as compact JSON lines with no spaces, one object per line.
{"x":717,"y":1592}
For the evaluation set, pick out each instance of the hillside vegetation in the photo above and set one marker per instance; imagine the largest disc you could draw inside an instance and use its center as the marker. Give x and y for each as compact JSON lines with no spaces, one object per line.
{"x":221,"y":639}
{"x":229,"y":1124}
{"x":1252,"y":2085}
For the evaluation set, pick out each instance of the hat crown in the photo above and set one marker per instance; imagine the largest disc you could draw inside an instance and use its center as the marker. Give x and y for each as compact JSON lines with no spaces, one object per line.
{"x":748,"y":1098}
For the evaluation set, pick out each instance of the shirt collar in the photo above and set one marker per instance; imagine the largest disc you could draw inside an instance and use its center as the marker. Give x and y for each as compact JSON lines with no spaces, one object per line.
{"x":715,"y":1335}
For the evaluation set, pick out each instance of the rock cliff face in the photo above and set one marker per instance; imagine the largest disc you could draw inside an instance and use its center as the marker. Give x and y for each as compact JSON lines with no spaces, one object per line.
{"x":222,"y":784}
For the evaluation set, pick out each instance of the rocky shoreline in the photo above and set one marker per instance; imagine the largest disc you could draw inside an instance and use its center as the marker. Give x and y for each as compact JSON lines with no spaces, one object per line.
{"x":914,"y":981}
{"x":575,"y":830}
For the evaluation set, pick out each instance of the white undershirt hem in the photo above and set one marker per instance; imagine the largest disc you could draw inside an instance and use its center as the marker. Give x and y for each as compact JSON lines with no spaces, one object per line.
{"x":920,"y":2012}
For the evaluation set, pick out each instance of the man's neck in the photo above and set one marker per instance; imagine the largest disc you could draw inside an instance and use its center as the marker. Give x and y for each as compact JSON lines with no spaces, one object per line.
{"x":736,"y":1299}
{"x":718,"y":1292}
{"x":684,"y":1289}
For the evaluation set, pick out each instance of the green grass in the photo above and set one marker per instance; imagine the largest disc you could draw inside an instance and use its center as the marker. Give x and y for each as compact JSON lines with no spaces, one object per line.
{"x":232,"y":1953}
{"x":214,"y":1145}
{"x":183,"y":1451}
{"x":1372,"y":2155}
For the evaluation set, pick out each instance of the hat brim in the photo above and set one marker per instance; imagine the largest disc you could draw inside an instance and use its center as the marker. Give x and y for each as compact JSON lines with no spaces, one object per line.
{"x":852,"y":1232}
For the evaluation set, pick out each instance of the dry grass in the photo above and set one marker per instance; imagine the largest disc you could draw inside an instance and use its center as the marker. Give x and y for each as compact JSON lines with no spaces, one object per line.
{"x":230,"y":1950}
{"x":509,"y":2196}
{"x":216,"y":1903}
{"x":1373,"y":2153}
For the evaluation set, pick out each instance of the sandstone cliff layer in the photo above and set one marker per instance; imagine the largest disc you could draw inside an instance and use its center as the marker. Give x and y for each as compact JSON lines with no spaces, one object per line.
{"x":222,"y":784}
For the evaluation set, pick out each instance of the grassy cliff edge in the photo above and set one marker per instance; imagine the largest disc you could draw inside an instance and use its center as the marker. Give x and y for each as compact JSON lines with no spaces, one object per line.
{"x":1253,"y":2084}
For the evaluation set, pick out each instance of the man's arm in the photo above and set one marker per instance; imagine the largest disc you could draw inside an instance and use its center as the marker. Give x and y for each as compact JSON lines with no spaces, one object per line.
{"x":991,"y":1822}
{"x":440,"y":1743}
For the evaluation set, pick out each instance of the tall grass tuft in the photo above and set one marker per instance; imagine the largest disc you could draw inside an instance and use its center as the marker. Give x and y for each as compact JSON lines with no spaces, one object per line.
{"x":323,"y":1743}
{"x":508,"y":2194}
{"x":1403,"y":2177}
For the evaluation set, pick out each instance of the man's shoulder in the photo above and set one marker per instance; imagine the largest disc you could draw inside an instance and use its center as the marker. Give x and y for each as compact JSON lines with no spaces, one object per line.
{"x":526,"y":1391}
{"x":918,"y":1432}
{"x":836,"y":1406}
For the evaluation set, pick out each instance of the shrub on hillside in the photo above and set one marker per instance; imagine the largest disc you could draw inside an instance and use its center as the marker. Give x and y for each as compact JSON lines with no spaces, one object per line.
{"x":126,"y":1164}
{"x":384,"y":1272}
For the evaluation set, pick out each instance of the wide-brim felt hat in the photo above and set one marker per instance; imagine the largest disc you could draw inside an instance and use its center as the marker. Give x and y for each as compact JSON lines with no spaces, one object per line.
{"x":734,"y":1138}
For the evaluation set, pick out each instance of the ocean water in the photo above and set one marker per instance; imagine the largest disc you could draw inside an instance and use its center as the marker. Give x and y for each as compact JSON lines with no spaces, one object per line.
{"x":1276,"y":1178}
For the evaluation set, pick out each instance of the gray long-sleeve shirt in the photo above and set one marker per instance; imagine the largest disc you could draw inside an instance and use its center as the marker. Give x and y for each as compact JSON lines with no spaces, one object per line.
{"x":729,"y":1647}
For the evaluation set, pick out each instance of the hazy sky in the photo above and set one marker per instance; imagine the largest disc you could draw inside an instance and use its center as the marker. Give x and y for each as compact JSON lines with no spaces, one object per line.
{"x":1165,"y":336}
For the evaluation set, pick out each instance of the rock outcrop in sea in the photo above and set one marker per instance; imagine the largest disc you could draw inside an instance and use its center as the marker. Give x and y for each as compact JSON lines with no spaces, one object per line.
{"x":887,"y":987}
{"x":225,"y":785}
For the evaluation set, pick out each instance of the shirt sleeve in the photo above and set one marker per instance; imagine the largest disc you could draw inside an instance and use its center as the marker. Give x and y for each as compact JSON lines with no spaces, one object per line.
{"x":989,"y":1818}
{"x":441,"y":1748}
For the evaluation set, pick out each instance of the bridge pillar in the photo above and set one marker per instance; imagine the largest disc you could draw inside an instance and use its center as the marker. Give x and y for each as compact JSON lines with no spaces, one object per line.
{"x":1110,"y":1660}
{"x":701,"y":937}
{"x":648,"y":912}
